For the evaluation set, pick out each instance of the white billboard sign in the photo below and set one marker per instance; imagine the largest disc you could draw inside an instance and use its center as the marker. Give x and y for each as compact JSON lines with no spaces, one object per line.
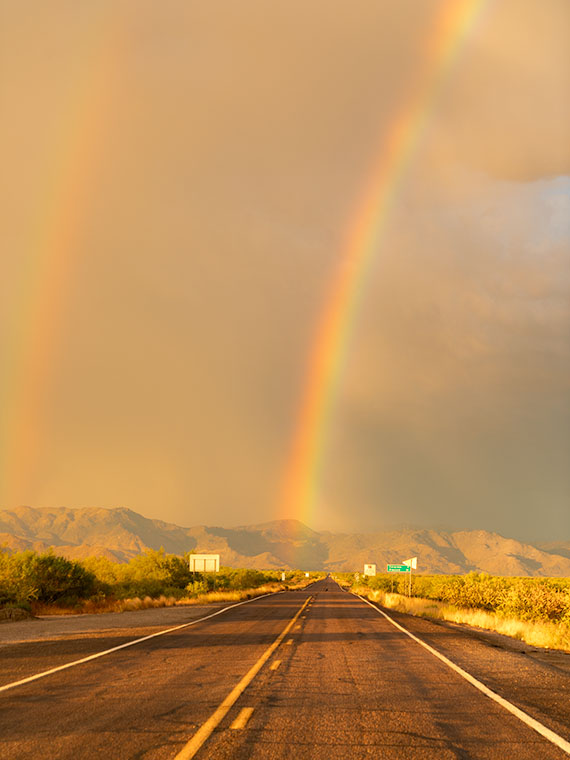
{"x":204,"y":563}
{"x":370,"y":570}
{"x":412,"y":562}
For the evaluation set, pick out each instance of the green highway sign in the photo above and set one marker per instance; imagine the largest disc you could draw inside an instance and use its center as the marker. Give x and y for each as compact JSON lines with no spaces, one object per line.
{"x":398,"y":568}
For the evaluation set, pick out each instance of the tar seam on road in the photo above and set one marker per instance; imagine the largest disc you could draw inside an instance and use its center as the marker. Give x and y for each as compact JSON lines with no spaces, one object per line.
{"x":206,"y":729}
{"x":126,"y":644}
{"x":531,"y":722}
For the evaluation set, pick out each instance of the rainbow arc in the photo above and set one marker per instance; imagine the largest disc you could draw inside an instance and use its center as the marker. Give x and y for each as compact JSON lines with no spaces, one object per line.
{"x":452,"y":26}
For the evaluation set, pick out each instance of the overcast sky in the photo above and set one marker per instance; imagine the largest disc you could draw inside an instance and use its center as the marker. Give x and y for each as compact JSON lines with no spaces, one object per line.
{"x":177,"y":183}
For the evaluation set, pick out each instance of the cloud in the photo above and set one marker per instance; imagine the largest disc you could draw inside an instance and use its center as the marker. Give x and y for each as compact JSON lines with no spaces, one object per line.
{"x":504,"y":110}
{"x":456,"y":398}
{"x":237,"y":143}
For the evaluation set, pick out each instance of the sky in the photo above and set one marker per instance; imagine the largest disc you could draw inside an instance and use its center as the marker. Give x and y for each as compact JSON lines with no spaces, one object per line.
{"x":179,"y":183}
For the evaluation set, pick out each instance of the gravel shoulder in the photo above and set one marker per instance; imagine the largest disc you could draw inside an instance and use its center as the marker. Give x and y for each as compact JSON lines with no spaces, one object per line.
{"x":50,"y":627}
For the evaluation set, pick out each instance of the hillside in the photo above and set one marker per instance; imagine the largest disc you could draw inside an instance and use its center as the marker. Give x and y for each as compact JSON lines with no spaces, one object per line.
{"x":121,"y":534}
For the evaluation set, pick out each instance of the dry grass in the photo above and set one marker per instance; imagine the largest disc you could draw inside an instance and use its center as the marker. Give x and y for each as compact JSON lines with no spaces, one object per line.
{"x":541,"y":634}
{"x":97,"y":606}
{"x":232,"y":596}
{"x":249,"y":593}
{"x":92,"y":607}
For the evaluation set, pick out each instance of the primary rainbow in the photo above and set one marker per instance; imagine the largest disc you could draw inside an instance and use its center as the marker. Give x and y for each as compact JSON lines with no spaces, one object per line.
{"x":300,"y":491}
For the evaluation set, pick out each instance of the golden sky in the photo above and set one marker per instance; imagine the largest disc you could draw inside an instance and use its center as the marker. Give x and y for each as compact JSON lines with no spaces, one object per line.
{"x":177,"y":183}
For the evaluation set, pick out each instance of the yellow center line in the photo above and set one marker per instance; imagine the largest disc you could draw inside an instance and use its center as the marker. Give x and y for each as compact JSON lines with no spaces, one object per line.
{"x":206,"y":729}
{"x":242,"y":718}
{"x":275,"y":664}
{"x":289,"y":642}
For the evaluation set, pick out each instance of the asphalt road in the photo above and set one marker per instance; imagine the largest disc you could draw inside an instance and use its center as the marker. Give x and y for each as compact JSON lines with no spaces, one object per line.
{"x":320,"y":674}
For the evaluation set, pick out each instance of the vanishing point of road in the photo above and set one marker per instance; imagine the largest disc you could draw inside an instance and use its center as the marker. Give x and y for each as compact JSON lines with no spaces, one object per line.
{"x":316,"y":673}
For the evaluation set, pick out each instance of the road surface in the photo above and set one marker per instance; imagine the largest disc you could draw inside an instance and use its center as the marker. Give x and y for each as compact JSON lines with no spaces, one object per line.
{"x":316,"y":673}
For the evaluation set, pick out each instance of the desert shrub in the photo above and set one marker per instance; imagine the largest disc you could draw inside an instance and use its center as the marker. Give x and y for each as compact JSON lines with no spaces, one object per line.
{"x":156,"y":573}
{"x":538,"y":600}
{"x":230,"y":579}
{"x":105,"y":572}
{"x":382,"y":582}
{"x":237,"y":579}
{"x":13,"y":586}
{"x":44,"y":577}
{"x":195,"y":588}
{"x":526,"y":599}
{"x":151,"y":574}
{"x":478,"y":590}
{"x":531,"y":599}
{"x":48,"y":578}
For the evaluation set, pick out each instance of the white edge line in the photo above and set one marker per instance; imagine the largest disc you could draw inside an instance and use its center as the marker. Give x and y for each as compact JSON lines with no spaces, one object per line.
{"x":527,"y":719}
{"x":128,"y":644}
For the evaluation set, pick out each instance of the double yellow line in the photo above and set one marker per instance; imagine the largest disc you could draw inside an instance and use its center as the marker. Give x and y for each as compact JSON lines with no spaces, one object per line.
{"x":206,"y":729}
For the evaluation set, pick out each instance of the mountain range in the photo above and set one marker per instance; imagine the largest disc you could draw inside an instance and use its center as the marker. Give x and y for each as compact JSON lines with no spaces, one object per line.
{"x":121,"y":534}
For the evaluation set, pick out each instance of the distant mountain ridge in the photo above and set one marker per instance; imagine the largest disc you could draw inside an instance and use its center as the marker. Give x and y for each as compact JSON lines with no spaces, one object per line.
{"x":121,"y":534}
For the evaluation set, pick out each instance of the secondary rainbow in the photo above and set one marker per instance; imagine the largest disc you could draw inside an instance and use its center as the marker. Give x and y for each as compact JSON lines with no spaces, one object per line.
{"x":300,"y":493}
{"x":54,"y":228}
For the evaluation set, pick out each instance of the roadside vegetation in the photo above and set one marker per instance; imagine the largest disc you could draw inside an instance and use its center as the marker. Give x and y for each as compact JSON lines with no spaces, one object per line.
{"x":47,"y":583}
{"x":534,"y":610}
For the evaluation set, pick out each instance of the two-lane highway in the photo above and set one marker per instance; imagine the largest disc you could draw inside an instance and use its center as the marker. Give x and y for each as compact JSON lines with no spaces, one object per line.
{"x":316,"y":673}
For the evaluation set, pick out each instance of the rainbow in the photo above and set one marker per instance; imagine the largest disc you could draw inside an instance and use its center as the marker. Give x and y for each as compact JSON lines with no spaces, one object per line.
{"x":52,"y":251}
{"x":300,"y":492}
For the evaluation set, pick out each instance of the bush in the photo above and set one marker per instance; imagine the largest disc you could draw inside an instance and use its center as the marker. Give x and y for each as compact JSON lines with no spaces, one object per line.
{"x":48,"y":578}
{"x":528,"y":599}
{"x":43,"y":577}
{"x":229,"y":579}
{"x":153,"y":574}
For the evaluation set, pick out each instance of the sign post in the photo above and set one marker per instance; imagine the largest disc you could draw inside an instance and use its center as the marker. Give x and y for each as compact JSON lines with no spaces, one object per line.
{"x":405,"y":567}
{"x":411,"y":563}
